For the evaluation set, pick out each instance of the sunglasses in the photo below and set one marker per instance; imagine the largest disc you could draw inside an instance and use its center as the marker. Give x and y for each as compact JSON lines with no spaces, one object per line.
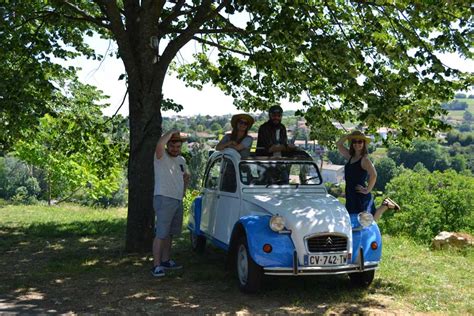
{"x":358,"y":141}
{"x":243,"y":123}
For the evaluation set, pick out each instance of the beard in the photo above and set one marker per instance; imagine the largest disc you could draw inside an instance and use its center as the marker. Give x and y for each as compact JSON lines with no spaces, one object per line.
{"x":173,"y":154}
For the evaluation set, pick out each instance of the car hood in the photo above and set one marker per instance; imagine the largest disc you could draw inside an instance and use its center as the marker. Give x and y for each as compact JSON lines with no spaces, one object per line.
{"x":306,"y":213}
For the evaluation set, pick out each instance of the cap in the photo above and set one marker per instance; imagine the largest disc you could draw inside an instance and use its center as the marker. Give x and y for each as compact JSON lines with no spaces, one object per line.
{"x":275,"y":109}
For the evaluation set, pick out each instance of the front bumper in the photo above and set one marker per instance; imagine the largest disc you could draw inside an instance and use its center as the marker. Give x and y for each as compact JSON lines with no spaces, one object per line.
{"x":296,"y":269}
{"x":348,"y":268}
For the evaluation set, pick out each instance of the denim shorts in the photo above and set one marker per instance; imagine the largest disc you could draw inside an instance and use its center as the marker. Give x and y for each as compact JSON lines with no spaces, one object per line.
{"x":169,"y":216}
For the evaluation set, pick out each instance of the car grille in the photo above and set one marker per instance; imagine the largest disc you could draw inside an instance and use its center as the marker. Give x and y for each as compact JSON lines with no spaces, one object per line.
{"x":327,"y":243}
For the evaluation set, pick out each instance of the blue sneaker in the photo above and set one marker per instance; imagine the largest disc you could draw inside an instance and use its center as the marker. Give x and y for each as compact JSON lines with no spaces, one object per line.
{"x":171,"y":265}
{"x":158,"y":271}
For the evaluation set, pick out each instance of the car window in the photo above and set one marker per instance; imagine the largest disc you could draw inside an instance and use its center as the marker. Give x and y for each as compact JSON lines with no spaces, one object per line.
{"x":229,"y":181}
{"x":213,"y":175}
{"x":280,"y":173}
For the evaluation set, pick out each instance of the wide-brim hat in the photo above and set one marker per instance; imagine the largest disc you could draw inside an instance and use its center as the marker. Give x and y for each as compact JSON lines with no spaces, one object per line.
{"x":358,"y":135}
{"x":245,"y":117}
{"x":177,"y":137}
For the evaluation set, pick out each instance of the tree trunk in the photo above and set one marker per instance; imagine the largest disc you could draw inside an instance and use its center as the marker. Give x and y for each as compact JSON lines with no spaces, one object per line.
{"x":145,"y":129}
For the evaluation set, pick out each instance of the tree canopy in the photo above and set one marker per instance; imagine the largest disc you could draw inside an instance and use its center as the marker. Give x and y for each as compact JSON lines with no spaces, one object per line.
{"x":347,"y":61}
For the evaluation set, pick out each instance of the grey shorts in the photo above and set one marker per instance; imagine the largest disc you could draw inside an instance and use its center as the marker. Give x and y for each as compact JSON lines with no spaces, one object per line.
{"x":169,"y":216}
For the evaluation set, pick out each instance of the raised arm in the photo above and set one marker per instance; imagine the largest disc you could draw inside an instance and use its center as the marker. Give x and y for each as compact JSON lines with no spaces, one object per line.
{"x":342,"y":149}
{"x":160,"y":147}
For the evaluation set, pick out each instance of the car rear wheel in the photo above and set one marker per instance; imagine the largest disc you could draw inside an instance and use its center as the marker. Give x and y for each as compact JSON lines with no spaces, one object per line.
{"x":198,"y":243}
{"x":362,"y":279}
{"x":249,"y":274}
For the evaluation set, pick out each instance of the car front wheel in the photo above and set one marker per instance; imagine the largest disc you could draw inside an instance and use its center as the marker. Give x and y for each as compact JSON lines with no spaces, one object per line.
{"x":362,"y":279}
{"x":249,"y":274}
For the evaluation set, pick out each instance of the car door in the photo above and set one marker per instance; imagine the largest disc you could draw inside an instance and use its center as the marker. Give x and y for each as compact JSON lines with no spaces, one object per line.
{"x":210,"y":195}
{"x":228,"y":202}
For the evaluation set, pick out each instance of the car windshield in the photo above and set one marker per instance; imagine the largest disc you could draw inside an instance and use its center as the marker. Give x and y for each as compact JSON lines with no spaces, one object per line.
{"x":279,"y":173}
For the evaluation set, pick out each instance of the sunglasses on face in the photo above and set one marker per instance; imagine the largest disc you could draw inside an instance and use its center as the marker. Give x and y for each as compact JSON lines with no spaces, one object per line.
{"x":243,"y":123}
{"x":359,"y":141}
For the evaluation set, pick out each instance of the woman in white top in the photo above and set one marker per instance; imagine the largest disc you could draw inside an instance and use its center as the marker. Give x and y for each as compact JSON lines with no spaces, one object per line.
{"x":239,"y":138}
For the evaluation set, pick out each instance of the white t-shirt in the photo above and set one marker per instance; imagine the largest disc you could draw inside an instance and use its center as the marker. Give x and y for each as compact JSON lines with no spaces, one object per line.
{"x":169,"y":173}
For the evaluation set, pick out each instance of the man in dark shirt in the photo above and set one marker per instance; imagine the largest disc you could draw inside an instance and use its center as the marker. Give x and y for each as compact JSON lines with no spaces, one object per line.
{"x":272,"y":139}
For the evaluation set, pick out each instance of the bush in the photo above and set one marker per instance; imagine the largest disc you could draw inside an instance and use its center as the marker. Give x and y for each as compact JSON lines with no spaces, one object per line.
{"x":336,"y":158}
{"x":386,"y":170}
{"x":430,"y":203}
{"x":17,"y":180}
{"x":336,"y":190}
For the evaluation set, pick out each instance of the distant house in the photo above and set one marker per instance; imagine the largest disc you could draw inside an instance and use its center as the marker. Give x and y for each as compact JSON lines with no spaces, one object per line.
{"x":332,"y":173}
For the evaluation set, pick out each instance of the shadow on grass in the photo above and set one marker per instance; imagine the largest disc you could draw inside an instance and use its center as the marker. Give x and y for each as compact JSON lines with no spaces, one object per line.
{"x":81,"y":267}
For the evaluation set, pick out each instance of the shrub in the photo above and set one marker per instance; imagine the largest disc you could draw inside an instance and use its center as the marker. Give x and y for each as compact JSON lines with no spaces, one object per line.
{"x":386,"y":170}
{"x":17,"y":180}
{"x":430,"y":203}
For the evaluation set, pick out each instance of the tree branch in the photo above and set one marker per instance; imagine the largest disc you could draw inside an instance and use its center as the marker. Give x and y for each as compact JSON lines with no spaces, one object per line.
{"x":123,"y":41}
{"x":203,"y":41}
{"x":85,"y":16}
{"x":173,"y":15}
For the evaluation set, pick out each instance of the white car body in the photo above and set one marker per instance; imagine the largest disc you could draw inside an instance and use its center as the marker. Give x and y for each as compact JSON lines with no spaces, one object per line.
{"x":239,"y":202}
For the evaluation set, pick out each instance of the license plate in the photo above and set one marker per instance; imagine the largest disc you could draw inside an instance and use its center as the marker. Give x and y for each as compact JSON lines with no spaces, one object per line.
{"x":325,"y":260}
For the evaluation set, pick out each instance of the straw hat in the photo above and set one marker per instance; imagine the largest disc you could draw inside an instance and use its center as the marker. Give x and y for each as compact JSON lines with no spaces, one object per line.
{"x":177,"y":137}
{"x":358,"y":135}
{"x":245,"y":117}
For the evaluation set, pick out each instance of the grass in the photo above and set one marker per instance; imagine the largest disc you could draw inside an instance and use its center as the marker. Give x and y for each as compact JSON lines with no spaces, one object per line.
{"x":70,"y":259}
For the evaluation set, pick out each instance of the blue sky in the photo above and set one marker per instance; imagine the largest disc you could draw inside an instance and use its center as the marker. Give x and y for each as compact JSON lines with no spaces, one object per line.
{"x":209,"y":100}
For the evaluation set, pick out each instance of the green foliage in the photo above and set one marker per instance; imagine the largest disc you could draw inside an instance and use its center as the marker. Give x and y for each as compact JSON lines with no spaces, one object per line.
{"x":429,"y":153}
{"x":467,"y":116}
{"x":197,"y":163}
{"x":335,"y":157}
{"x":455,"y":105}
{"x":319,"y":50}
{"x":336,"y":190}
{"x":77,"y":149}
{"x":17,"y":181}
{"x":33,"y":36}
{"x":430,"y":203}
{"x":386,"y":170}
{"x":459,"y":163}
{"x":464,"y":139}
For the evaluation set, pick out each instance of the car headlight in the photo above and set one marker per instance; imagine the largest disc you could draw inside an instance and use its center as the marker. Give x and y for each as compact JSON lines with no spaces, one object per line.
{"x":365,"y":219}
{"x":277,"y":223}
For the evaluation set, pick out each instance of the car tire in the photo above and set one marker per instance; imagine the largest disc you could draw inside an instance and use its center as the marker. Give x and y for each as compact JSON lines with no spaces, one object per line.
{"x":198,"y":242}
{"x":362,"y":279}
{"x":249,"y":274}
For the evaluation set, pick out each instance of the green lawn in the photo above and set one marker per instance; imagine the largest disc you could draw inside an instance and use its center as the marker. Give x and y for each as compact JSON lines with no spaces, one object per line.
{"x":70,"y":259}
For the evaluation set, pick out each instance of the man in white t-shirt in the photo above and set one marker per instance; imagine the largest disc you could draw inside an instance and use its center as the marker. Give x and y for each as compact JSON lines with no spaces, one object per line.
{"x":171,"y":180}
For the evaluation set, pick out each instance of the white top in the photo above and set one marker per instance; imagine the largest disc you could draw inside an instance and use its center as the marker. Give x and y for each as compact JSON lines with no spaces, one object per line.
{"x":169,"y":173}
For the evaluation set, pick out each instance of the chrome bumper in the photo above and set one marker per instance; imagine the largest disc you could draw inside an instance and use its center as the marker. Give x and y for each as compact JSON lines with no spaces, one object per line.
{"x":348,"y":268}
{"x":296,"y":269}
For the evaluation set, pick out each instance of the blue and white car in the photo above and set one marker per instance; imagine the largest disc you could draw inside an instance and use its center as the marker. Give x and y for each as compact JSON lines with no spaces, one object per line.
{"x":275,"y":217}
